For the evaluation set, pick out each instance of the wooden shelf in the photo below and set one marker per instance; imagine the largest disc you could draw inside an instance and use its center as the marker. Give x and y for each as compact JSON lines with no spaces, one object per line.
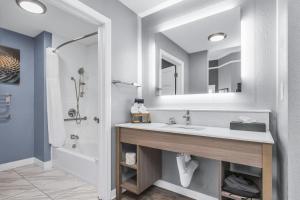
{"x":225,"y":171}
{"x":129,"y":166}
{"x":130,"y":185}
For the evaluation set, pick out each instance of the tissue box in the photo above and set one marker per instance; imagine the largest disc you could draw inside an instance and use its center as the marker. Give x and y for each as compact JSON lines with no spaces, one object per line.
{"x":255,"y":126}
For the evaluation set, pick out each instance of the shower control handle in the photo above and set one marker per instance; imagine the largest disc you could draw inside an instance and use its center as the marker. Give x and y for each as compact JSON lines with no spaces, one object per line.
{"x":96,"y":119}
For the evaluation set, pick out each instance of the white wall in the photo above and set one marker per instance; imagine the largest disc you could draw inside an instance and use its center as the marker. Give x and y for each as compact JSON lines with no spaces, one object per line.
{"x":293,"y":99}
{"x":282,"y":98}
{"x":71,"y":58}
{"x":198,"y":73}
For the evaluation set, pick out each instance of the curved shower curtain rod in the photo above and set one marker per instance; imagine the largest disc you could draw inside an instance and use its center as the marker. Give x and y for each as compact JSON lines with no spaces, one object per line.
{"x":75,"y":40}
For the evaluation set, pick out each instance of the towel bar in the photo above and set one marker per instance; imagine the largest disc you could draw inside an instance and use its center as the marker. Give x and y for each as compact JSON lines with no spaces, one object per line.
{"x":8,"y":117}
{"x":74,"y":119}
{"x":126,"y":83}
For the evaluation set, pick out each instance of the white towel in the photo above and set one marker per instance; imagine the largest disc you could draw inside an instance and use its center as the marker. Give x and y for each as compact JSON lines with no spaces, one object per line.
{"x":130,"y":158}
{"x":56,"y":128}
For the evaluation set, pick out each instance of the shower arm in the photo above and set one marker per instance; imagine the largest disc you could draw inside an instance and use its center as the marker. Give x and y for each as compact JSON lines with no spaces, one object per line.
{"x":74,"y":40}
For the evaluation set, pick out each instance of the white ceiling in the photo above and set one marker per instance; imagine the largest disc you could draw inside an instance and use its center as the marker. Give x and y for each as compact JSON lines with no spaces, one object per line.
{"x":54,"y":21}
{"x":193,"y":37}
{"x":144,"y":8}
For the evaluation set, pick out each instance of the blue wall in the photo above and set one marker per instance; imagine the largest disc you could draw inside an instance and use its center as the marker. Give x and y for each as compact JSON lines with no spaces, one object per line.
{"x":25,"y":135}
{"x":17,"y":134}
{"x":41,"y":143}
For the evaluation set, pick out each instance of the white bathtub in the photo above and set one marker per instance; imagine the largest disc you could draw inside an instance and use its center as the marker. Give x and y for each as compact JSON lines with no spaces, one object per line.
{"x":81,"y":161}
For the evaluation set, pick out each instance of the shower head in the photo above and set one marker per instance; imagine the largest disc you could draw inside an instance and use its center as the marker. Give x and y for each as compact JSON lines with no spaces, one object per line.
{"x":81,"y":71}
{"x":72,"y":78}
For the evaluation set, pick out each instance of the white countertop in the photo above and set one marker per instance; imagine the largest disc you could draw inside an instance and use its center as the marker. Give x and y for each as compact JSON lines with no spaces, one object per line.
{"x":213,"y":132}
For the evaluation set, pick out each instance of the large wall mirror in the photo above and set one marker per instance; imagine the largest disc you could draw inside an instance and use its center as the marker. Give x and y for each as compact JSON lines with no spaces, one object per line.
{"x":203,"y":56}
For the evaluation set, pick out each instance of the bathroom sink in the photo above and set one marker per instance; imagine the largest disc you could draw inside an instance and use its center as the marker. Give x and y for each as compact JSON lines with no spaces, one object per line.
{"x":184,"y":127}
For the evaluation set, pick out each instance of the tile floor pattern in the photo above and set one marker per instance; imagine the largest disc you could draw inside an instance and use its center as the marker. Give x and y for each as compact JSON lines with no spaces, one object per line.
{"x":154,"y":193}
{"x":33,"y":183}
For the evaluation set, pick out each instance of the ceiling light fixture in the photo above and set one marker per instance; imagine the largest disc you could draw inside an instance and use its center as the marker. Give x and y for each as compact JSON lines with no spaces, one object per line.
{"x":32,"y":6}
{"x":217,"y":37}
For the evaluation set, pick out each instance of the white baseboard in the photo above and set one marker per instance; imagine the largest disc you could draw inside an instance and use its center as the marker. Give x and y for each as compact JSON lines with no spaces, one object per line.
{"x":183,"y":191}
{"x":15,"y":164}
{"x":113,"y":194}
{"x":28,"y":161}
{"x":46,"y":165}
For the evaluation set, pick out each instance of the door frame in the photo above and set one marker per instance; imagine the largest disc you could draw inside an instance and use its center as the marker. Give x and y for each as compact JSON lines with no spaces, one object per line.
{"x":174,"y":71}
{"x":81,"y":10}
{"x":180,"y":69}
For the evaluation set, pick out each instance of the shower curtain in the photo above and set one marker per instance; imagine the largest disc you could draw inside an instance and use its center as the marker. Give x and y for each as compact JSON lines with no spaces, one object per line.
{"x":56,"y":129}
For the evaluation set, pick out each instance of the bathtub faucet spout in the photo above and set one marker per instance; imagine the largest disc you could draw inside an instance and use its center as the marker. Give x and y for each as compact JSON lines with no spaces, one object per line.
{"x":74,"y":137}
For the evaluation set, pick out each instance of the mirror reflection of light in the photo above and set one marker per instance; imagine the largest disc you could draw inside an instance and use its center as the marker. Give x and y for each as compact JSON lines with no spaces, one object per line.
{"x":174,"y":101}
{"x":160,"y":7}
{"x":199,"y":14}
{"x":140,"y":60}
{"x":152,"y":64}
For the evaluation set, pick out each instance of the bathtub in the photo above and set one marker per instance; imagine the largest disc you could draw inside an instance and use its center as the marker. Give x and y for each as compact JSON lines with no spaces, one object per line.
{"x":81,"y":161}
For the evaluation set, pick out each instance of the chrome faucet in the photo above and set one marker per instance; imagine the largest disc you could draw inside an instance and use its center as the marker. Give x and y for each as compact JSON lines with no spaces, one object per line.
{"x":187,"y":118}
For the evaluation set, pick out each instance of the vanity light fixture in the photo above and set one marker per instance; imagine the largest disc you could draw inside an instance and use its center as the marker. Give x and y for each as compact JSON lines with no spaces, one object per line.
{"x":32,"y":6}
{"x":217,"y":37}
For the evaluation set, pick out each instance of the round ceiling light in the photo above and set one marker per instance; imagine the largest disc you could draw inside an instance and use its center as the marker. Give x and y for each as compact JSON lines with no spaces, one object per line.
{"x":217,"y":37}
{"x":32,"y":6}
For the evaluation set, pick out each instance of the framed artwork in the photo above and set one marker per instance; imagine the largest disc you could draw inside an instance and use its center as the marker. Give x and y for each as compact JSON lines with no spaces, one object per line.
{"x":9,"y":65}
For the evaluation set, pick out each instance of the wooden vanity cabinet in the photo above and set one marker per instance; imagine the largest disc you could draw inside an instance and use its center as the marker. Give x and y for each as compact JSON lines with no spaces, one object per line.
{"x":147,"y":169}
{"x":150,"y":143}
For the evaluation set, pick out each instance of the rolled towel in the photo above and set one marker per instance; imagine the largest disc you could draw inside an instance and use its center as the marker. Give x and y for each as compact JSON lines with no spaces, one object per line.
{"x":130,"y":158}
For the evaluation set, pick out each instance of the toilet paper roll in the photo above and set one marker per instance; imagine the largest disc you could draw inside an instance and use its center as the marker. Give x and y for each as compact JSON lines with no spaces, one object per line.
{"x":130,"y":158}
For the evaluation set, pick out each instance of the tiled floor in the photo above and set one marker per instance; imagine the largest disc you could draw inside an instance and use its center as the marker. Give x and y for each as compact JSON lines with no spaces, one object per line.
{"x":155,"y":193}
{"x":33,"y":183}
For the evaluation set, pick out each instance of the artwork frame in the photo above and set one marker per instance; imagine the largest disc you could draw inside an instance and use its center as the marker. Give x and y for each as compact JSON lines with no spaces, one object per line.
{"x":10,"y":65}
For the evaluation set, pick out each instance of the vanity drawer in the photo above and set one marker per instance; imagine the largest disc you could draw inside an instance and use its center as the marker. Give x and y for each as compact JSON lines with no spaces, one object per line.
{"x":246,"y":153}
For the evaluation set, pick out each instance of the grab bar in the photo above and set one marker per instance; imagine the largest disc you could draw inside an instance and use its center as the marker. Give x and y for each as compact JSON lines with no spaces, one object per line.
{"x":74,"y":119}
{"x":8,"y":117}
{"x":126,"y":83}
